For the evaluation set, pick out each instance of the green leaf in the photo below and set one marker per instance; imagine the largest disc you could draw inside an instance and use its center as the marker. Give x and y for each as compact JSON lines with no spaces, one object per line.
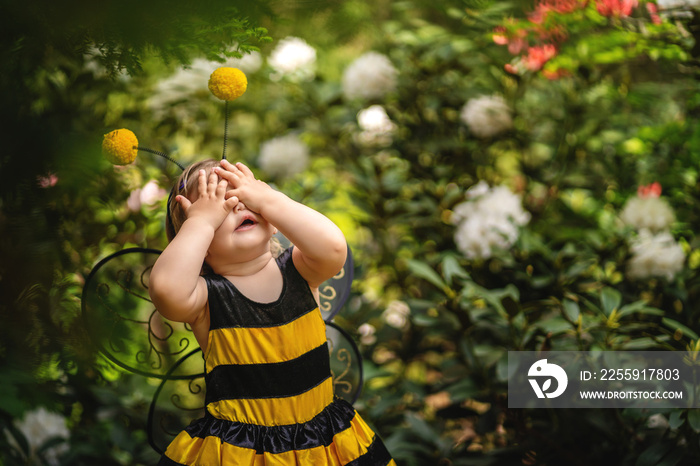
{"x":694,"y":419}
{"x":571,"y":309}
{"x":451,"y":269}
{"x":675,"y":419}
{"x":19,"y":437}
{"x":554,"y":325}
{"x":654,"y":455}
{"x":463,"y":390}
{"x":422,"y":429}
{"x":675,"y":325}
{"x":610,"y":299}
{"x":639,"y":307}
{"x":639,"y":344}
{"x":424,"y":271}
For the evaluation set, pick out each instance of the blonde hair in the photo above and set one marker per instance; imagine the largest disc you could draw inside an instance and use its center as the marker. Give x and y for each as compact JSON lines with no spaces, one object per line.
{"x":186,"y":185}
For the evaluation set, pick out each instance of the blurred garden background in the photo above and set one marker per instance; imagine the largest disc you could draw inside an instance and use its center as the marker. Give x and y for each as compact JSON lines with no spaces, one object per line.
{"x":510,"y":175}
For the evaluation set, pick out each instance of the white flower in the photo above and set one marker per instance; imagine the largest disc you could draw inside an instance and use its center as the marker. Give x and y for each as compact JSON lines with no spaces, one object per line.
{"x":377,"y":128}
{"x":478,"y":190}
{"x":678,"y":8}
{"x":396,"y":314}
{"x":148,"y":195}
{"x":652,"y":213}
{"x":501,"y":201}
{"x":284,"y":156}
{"x":180,"y":85}
{"x":293,"y":57}
{"x":370,"y":76}
{"x":657,"y":421}
{"x":367,"y":334}
{"x":479,"y":236}
{"x":488,"y":221}
{"x":487,"y":116}
{"x":249,"y":63}
{"x":497,"y":202}
{"x":38,"y":427}
{"x":655,"y":256}
{"x":189,"y":79}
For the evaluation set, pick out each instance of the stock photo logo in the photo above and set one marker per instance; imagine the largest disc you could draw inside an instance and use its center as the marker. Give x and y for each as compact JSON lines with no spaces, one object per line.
{"x":545,"y":372}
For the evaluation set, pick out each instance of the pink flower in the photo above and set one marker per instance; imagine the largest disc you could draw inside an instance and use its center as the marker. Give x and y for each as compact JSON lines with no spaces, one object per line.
{"x":510,"y":68}
{"x":148,"y":195}
{"x":651,"y":190}
{"x":543,"y":8}
{"x":499,"y":35}
{"x":47,"y":181}
{"x":615,"y":8}
{"x":515,"y":44}
{"x":653,"y":13}
{"x":539,"y":55}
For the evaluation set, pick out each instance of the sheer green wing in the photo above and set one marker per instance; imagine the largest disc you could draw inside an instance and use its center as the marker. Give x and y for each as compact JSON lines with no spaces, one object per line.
{"x":125,"y":326}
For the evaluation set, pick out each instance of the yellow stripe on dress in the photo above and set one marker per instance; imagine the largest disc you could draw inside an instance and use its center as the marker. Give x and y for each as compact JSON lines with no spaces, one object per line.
{"x":275,"y":411}
{"x":347,"y":446}
{"x":244,"y":345}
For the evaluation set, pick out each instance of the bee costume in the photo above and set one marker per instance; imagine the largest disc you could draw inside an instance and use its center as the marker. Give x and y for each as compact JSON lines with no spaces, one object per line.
{"x":270,"y":392}
{"x":269,"y":388}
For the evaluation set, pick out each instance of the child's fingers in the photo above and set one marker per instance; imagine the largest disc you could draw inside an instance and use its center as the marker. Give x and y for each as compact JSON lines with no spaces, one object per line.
{"x":227,"y":175}
{"x":221,"y":187}
{"x":202,"y":182}
{"x":228,"y":166}
{"x":238,"y":170}
{"x":245,"y":170}
{"x":230,"y":202}
{"x":213,"y":181}
{"x":183,"y":201}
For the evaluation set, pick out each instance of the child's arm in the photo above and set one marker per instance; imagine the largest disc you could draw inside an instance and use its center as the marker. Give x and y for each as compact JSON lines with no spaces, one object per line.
{"x":319,"y":245}
{"x":176,"y":288}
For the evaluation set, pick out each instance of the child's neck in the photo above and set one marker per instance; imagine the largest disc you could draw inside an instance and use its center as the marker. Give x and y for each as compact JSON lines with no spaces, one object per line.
{"x":246,"y":268}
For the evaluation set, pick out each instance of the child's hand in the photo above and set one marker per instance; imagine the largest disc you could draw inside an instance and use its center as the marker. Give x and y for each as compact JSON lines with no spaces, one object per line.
{"x":212,"y":205}
{"x":251,"y":192}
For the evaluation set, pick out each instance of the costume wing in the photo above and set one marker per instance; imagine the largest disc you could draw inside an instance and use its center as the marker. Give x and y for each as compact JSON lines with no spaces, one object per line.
{"x":346,"y":363}
{"x":175,"y":404}
{"x":335,"y":291}
{"x":125,"y":327}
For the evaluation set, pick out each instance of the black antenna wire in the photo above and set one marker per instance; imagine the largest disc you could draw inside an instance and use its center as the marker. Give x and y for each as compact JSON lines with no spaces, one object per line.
{"x":162,"y":154}
{"x":223,"y":156}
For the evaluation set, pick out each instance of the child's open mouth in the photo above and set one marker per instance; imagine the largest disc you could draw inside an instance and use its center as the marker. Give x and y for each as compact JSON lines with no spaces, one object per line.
{"x":247,"y":224}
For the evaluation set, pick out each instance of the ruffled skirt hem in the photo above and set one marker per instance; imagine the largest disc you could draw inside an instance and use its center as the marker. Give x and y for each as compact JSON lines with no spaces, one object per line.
{"x":336,"y":436}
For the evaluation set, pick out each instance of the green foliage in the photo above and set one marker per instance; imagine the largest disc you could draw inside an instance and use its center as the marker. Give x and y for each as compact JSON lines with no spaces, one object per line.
{"x":624,"y":114}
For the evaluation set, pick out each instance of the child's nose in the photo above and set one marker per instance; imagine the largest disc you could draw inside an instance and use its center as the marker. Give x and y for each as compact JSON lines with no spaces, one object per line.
{"x":238,"y":207}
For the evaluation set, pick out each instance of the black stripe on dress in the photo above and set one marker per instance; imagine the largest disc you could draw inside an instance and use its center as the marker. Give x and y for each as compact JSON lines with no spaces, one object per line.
{"x":165,"y":461}
{"x":318,"y":432}
{"x":376,"y":455}
{"x":273,"y":380}
{"x":228,"y":307}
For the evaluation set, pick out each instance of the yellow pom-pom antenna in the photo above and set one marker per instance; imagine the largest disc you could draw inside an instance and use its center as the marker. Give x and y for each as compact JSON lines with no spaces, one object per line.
{"x":228,"y":83}
{"x":120,"y":146}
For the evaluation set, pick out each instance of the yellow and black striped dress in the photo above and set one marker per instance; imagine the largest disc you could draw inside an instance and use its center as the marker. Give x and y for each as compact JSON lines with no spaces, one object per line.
{"x":269,"y":389}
